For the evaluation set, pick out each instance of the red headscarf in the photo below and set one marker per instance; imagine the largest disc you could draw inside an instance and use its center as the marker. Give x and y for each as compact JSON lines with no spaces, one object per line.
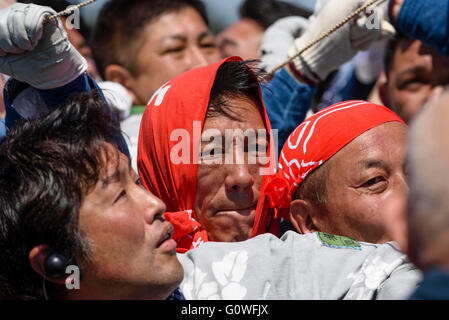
{"x":311,"y":144}
{"x":178,"y":109}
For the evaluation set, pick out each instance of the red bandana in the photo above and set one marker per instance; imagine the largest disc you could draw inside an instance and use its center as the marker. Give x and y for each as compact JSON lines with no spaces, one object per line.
{"x":177,"y":111}
{"x":314,"y":142}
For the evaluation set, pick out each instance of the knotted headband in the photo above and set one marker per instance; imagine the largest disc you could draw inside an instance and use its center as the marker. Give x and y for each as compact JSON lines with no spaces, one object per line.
{"x":312,"y":143}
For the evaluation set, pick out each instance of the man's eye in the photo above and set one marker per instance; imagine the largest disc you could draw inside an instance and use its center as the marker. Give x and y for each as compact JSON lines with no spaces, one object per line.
{"x":212,"y":152}
{"x":139,"y":182}
{"x":373,"y":182}
{"x":174,"y":50}
{"x":412,"y":84}
{"x":208,"y":45}
{"x":120,"y":196}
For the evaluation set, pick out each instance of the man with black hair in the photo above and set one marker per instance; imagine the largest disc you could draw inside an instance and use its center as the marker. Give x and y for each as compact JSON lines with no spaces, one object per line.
{"x":68,"y":193}
{"x":247,"y":179}
{"x":143,"y":44}
{"x":111,"y":234}
{"x":244,"y":37}
{"x":414,"y":73}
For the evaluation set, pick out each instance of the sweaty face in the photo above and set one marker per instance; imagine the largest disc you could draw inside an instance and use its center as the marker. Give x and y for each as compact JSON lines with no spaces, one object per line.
{"x":228,"y":190}
{"x":417,"y":71}
{"x":242,"y":39}
{"x":133,"y":255}
{"x":175,"y":43}
{"x":363,"y":177}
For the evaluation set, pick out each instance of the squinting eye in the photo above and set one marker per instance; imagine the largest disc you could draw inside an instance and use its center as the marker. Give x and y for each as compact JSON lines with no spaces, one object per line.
{"x":208,"y":45}
{"x":121,"y":195}
{"x":174,"y":50}
{"x":373,"y":182}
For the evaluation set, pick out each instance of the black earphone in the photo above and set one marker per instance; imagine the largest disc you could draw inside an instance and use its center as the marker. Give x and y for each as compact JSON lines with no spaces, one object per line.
{"x":55,"y":265}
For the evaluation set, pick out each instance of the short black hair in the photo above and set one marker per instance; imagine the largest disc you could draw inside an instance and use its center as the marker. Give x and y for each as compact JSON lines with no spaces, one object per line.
{"x":117,"y":35}
{"x":58,"y":6}
{"x":47,"y":166}
{"x":267,"y":12}
{"x":234,"y":79}
{"x":390,"y":51}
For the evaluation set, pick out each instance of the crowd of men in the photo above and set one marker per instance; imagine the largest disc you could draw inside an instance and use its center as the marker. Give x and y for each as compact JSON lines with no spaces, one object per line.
{"x":147,"y":158}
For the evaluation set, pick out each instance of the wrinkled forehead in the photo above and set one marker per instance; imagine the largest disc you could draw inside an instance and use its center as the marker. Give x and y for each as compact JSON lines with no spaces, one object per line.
{"x":320,"y":137}
{"x":382,"y":146}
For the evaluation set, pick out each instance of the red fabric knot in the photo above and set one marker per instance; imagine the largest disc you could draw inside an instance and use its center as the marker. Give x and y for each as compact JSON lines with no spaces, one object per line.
{"x":278,"y":194}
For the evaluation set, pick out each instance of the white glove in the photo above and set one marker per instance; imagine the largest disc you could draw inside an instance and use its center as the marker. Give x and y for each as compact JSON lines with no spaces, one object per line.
{"x":329,"y":54}
{"x":278,"y":39}
{"x":40,"y":55}
{"x":117,"y":97}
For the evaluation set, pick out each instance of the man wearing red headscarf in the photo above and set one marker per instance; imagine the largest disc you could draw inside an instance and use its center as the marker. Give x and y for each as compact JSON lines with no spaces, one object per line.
{"x":204,"y":145}
{"x":338,"y":169}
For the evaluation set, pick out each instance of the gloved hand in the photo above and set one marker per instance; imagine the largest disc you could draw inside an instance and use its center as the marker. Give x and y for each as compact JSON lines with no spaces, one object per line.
{"x":329,"y":54}
{"x":117,"y":97}
{"x":278,"y":39}
{"x":40,"y":55}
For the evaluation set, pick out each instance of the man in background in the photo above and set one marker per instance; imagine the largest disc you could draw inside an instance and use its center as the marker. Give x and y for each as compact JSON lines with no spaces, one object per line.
{"x":414,"y":73}
{"x":244,"y":37}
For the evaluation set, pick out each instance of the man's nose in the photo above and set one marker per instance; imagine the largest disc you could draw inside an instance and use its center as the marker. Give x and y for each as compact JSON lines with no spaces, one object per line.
{"x":197,"y":58}
{"x":239,"y":178}
{"x":151,"y":205}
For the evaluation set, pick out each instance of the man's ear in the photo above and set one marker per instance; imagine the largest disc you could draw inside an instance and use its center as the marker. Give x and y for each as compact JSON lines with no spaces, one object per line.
{"x":119,"y":74}
{"x":301,"y":216}
{"x":37,"y":257}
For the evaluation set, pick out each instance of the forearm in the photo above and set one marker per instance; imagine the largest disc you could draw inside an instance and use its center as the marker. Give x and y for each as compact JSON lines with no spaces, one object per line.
{"x":53,"y":98}
{"x":427,"y":21}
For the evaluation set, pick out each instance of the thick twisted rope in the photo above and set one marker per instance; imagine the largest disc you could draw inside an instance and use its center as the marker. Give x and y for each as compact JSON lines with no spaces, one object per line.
{"x":325,"y":35}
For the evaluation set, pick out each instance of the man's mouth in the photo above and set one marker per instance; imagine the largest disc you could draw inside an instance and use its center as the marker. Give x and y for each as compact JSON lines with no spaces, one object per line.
{"x":166,"y":240}
{"x":244,"y":211}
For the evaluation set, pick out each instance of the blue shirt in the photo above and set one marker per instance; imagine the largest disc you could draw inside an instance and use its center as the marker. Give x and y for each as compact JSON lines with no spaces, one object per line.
{"x":54,"y":98}
{"x":434,"y":286}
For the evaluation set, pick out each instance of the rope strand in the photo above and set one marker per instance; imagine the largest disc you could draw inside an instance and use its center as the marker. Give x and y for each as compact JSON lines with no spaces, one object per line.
{"x":325,"y":35}
{"x":270,"y":73}
{"x":68,"y":10}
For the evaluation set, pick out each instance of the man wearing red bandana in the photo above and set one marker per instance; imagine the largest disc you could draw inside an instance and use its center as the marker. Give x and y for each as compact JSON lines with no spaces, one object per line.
{"x":338,"y":169}
{"x":204,"y":145}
